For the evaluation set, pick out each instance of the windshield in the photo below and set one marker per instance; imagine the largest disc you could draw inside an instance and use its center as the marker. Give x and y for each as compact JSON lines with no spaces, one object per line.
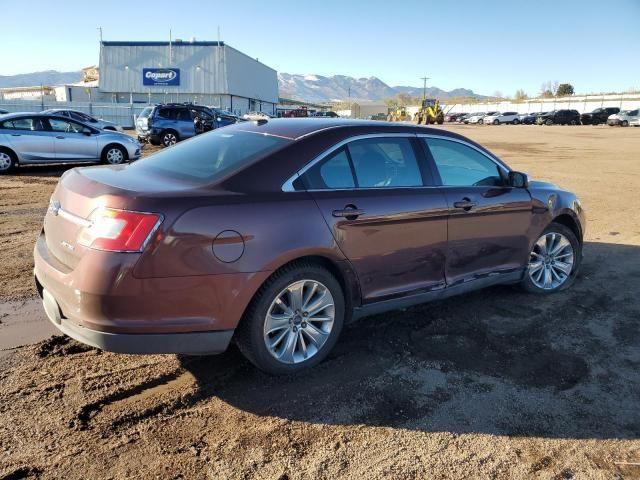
{"x":209,"y":157}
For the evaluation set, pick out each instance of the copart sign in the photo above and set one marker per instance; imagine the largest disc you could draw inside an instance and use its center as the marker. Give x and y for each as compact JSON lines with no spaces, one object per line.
{"x":161,"y":77}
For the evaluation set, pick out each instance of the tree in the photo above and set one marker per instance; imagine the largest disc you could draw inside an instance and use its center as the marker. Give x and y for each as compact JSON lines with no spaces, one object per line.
{"x":564,"y":89}
{"x":520,"y":95}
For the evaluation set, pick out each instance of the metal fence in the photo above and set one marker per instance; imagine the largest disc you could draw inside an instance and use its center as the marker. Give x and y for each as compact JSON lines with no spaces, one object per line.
{"x":121,"y":113}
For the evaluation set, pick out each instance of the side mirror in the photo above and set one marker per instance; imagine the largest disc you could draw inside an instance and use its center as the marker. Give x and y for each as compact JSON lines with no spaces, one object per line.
{"x":87,"y":132}
{"x":518,"y":180}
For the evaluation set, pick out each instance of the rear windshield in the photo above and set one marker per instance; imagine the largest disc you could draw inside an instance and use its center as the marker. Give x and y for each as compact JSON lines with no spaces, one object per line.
{"x":146,"y":112}
{"x":210,"y":157}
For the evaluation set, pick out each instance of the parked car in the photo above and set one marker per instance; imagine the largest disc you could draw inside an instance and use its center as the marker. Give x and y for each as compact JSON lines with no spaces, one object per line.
{"x":256,"y":116}
{"x":479,"y":117}
{"x":624,"y":118}
{"x":328,"y":114}
{"x":167,"y":124}
{"x":635,"y":123}
{"x":48,"y":138}
{"x":559,"y":117}
{"x":500,"y":118}
{"x":84,"y":118}
{"x":599,"y":115}
{"x":530,"y":118}
{"x":225,"y":117}
{"x":453,"y":117}
{"x":191,"y":247}
{"x":2,"y":111}
{"x":464,"y":118}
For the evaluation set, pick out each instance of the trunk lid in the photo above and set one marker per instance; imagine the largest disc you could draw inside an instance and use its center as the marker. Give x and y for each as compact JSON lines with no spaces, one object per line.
{"x":82,"y":190}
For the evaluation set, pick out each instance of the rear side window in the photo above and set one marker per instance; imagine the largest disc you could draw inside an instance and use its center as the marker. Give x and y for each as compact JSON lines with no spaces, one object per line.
{"x":168,"y":113}
{"x":385,"y":162}
{"x":332,"y":173}
{"x":460,"y":165}
{"x":209,"y":157}
{"x":25,"y":123}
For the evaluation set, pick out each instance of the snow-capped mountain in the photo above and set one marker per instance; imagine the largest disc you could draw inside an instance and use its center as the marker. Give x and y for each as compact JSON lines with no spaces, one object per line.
{"x":317,"y":88}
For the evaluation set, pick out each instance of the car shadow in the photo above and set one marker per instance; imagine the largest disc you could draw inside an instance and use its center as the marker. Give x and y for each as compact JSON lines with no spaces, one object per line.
{"x":497,"y":361}
{"x":48,"y":170}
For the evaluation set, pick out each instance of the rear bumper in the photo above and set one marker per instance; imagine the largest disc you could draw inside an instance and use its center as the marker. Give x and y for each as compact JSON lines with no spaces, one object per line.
{"x":100,"y":302}
{"x":194,"y":343}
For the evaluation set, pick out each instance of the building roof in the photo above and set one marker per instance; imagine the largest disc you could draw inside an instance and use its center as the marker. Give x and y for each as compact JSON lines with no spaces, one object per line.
{"x":174,"y":43}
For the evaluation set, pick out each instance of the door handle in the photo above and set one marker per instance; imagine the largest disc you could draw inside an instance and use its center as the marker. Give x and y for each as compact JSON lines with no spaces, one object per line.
{"x":16,"y":134}
{"x":350,"y":212}
{"x":465,"y":204}
{"x":60,"y":137}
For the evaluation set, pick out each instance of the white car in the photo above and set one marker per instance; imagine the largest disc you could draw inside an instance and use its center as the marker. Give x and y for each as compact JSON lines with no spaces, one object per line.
{"x":479,"y":117}
{"x":635,"y":123}
{"x":624,"y":118}
{"x":499,"y":118}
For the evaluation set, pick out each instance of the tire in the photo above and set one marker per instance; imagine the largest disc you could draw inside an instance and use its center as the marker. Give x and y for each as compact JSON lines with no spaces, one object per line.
{"x":573,"y":122}
{"x":496,"y":122}
{"x":8,"y":161}
{"x":548,"y":122}
{"x":114,"y":155}
{"x":169,"y":137}
{"x":251,"y":336}
{"x":624,"y":123}
{"x":535,"y":277}
{"x":516,"y":122}
{"x":480,"y":122}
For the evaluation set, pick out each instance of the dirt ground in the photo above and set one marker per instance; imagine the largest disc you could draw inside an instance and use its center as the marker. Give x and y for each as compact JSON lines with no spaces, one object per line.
{"x":493,"y":384}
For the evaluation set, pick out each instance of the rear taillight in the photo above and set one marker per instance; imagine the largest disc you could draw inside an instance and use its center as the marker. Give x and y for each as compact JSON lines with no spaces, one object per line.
{"x":119,"y":230}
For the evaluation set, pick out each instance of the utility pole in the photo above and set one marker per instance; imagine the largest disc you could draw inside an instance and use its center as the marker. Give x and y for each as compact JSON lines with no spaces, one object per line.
{"x":424,"y":88}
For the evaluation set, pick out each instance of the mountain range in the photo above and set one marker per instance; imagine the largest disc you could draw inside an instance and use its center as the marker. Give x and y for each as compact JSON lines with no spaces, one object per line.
{"x":317,"y":88}
{"x":311,"y":88}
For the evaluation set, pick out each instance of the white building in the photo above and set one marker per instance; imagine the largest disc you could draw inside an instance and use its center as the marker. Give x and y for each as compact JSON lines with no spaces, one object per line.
{"x":207,"y":73}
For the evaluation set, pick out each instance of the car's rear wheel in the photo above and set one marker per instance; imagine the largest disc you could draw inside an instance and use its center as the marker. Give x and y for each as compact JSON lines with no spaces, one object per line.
{"x":114,"y":155}
{"x":7,"y":161}
{"x":624,"y":123}
{"x":553,"y":261}
{"x":294,"y":320}
{"x":574,"y":122}
{"x":169,"y":137}
{"x":480,"y":122}
{"x":496,"y":122}
{"x":516,"y":122}
{"x":548,"y":122}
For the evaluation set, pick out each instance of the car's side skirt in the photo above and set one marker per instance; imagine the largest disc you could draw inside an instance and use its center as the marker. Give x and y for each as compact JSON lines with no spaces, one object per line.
{"x":513,"y":276}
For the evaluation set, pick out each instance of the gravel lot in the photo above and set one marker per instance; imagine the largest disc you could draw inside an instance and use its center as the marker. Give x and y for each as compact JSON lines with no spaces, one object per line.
{"x":494,"y":384}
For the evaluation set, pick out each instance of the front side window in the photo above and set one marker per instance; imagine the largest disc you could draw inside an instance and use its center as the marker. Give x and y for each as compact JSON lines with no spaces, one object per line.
{"x":460,"y":165}
{"x":65,"y":126}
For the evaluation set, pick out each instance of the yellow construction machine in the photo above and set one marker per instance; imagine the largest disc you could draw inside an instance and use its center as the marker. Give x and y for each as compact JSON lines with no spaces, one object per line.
{"x":430,"y":112}
{"x":398,"y":114}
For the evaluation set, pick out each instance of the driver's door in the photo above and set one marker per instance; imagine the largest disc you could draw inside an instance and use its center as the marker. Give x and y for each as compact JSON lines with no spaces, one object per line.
{"x":488,"y":221}
{"x":71,"y":143}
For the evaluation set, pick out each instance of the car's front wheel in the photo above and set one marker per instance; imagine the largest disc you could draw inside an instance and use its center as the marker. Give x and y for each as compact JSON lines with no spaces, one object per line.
{"x":294,"y":320}
{"x":625,"y":123}
{"x":516,"y":122}
{"x":114,"y":155}
{"x":553,"y":261}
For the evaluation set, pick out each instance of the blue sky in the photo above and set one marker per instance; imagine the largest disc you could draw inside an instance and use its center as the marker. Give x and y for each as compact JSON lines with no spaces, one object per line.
{"x":488,"y":46}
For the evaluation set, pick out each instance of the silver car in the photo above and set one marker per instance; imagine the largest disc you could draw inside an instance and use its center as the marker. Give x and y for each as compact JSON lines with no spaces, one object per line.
{"x":38,"y":138}
{"x":84,"y":118}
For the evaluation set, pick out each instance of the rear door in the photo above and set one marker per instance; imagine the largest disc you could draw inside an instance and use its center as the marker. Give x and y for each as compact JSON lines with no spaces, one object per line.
{"x":378,"y":199}
{"x":488,"y":221}
{"x":70,"y":141}
{"x":30,"y":138}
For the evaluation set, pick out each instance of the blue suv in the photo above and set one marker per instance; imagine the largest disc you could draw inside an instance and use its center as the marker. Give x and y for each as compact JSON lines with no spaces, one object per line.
{"x":167,"y":124}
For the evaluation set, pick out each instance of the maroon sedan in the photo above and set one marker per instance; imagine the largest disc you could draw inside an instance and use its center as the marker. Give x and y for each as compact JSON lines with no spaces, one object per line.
{"x":275,"y":233}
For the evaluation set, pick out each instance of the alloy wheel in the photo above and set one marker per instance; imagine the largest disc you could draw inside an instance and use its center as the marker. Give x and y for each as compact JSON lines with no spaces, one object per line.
{"x":299,"y":321}
{"x":5,"y":161}
{"x":115,"y":156}
{"x":169,"y":139}
{"x":551,"y":261}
